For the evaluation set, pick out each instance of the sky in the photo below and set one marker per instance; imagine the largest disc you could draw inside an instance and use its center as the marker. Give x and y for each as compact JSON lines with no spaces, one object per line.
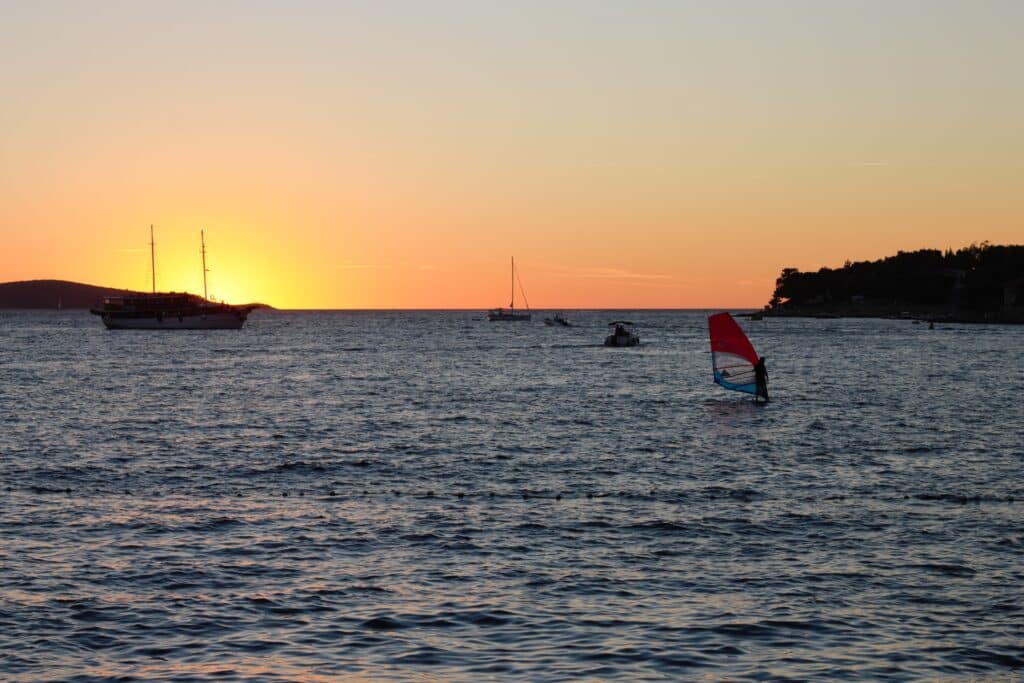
{"x":391,"y":154}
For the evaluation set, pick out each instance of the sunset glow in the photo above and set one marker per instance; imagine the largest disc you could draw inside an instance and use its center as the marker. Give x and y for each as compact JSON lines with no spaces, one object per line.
{"x":381,"y":155}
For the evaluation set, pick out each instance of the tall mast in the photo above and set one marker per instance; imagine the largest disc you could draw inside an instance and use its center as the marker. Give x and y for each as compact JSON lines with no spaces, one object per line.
{"x":152,"y":256}
{"x":513,"y":284}
{"x":202,"y":240}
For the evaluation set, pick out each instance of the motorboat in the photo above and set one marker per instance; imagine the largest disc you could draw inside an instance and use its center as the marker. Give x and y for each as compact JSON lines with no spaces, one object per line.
{"x":557,"y":319}
{"x":623,"y":334}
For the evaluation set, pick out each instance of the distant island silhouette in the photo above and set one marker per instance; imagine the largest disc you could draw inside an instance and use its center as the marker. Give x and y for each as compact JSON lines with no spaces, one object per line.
{"x":979,"y":283}
{"x":53,"y":294}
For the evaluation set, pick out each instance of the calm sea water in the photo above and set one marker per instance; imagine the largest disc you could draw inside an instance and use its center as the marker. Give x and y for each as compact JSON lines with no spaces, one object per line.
{"x":426,"y":496}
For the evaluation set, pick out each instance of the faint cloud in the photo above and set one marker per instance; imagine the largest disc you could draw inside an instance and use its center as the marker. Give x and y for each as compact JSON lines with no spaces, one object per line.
{"x":622,"y":274}
{"x":871,"y":163}
{"x":613,"y":274}
{"x":386,"y":266}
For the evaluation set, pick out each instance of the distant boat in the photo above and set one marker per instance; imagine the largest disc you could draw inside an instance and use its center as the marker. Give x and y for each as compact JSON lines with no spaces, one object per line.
{"x":624,"y":334}
{"x":557,"y":319}
{"x":509,"y":315}
{"x":170,"y":310}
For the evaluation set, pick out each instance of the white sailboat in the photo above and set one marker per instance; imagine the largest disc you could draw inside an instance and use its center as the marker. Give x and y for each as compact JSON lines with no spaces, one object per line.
{"x":509,"y":315}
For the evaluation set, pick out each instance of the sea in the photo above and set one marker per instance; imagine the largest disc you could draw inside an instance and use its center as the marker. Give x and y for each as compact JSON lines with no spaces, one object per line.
{"x":427,"y":496}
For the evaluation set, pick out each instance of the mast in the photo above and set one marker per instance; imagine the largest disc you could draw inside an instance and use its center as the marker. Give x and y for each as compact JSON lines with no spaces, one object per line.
{"x":152,"y":256}
{"x":513,"y":307}
{"x":202,"y":241}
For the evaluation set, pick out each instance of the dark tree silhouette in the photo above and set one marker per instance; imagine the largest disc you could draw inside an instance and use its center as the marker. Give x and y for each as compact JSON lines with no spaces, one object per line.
{"x":973,"y":279}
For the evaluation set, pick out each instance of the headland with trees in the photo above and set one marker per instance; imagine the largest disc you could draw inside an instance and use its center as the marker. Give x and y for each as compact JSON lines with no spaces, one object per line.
{"x":979,"y":283}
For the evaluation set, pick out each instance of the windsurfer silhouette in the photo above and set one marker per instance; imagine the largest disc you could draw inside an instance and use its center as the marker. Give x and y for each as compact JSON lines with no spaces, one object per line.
{"x":761,"y":379}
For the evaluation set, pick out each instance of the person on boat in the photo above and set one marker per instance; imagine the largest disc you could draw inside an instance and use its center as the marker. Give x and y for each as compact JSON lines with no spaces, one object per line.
{"x":761,"y":379}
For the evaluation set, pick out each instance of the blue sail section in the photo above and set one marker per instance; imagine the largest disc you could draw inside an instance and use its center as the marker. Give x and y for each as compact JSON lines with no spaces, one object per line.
{"x":734,"y":372}
{"x":722,"y":378}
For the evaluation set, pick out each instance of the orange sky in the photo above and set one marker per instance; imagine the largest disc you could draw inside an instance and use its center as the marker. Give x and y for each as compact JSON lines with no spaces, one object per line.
{"x":651,"y":154}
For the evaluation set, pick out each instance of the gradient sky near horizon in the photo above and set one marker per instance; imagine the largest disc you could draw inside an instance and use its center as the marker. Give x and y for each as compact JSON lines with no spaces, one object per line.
{"x":396,"y":154}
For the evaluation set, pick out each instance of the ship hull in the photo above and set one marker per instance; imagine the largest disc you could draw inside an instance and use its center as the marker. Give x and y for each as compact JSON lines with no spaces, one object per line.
{"x":209,"y":321}
{"x":622,"y":340}
{"x":508,"y":317}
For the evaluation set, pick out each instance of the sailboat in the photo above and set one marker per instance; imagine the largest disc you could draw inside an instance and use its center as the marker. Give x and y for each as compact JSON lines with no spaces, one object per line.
{"x":503,"y":315}
{"x":170,"y":310}
{"x":732,"y":355}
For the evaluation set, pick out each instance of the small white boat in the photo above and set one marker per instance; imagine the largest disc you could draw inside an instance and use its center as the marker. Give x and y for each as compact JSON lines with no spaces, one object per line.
{"x":624,"y":334}
{"x":557,"y":319}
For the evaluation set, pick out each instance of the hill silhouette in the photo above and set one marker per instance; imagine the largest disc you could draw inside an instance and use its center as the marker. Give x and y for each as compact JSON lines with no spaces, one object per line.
{"x":39,"y":294}
{"x":979,"y":283}
{"x":53,"y":294}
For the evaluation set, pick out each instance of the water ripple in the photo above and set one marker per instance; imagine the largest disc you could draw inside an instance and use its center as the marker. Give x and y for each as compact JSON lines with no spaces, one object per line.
{"x":421,"y":496}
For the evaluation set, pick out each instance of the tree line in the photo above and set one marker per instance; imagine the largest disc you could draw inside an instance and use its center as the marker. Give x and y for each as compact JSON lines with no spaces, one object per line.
{"x":973,"y":278}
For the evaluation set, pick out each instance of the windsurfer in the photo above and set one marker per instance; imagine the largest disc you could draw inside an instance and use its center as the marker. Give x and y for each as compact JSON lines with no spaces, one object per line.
{"x":761,"y":379}
{"x":734,"y":362}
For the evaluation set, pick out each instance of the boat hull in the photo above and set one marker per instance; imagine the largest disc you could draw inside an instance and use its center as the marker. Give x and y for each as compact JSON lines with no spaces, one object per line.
{"x":228,"y":320}
{"x":622,"y":340}
{"x":508,"y":317}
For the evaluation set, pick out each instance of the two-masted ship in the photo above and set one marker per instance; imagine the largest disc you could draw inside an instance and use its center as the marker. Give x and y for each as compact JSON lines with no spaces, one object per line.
{"x":170,"y":310}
